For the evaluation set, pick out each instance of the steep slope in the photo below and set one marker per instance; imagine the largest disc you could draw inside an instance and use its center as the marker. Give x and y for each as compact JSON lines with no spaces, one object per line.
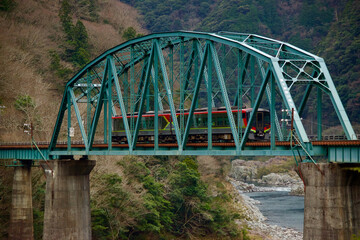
{"x":33,"y":64}
{"x":143,"y":197}
{"x":341,"y":50}
{"x":325,"y":27}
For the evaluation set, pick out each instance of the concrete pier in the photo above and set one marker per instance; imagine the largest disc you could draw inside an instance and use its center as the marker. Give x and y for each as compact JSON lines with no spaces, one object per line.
{"x":21,"y":216}
{"x":332,"y":201}
{"x":67,"y":200}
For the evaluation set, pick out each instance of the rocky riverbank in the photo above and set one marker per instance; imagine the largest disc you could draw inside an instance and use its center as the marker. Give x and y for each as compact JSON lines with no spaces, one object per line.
{"x":258,"y":226}
{"x":255,"y":176}
{"x":251,"y":176}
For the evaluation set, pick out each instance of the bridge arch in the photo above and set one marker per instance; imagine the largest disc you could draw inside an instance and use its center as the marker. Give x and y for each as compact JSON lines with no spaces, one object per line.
{"x":187,"y":70}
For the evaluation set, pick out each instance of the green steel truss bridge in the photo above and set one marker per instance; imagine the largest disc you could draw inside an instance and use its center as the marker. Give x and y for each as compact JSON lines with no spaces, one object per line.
{"x":178,"y":72}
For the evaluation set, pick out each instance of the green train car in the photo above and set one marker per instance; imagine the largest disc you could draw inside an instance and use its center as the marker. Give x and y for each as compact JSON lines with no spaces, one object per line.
{"x":221,"y":131}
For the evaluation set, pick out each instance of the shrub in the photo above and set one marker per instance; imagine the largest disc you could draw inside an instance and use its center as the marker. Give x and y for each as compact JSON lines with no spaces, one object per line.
{"x":7,"y":5}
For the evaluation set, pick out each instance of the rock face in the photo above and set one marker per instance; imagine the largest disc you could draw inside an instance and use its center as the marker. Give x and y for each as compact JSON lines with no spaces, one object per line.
{"x":244,"y":175}
{"x":277,"y":179}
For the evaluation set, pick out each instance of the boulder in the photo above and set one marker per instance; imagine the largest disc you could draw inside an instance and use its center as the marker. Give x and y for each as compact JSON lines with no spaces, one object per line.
{"x":243,"y":173}
{"x":278,"y":179}
{"x":297,"y":189}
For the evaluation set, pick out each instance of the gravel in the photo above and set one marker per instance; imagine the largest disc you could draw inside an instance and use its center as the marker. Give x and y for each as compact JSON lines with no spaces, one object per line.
{"x":255,"y":220}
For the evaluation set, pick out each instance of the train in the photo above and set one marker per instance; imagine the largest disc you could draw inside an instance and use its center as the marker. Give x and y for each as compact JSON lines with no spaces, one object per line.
{"x":198,"y":133}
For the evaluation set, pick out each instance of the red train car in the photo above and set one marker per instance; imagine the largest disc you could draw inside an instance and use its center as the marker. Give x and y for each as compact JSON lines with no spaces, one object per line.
{"x":221,"y":131}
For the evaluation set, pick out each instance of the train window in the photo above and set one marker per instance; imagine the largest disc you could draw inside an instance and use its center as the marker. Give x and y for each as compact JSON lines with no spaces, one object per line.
{"x":143,"y":123}
{"x":227,"y":123}
{"x":202,"y":121}
{"x":267,"y":118}
{"x":236,"y":114}
{"x":119,"y":124}
{"x":223,"y":120}
{"x":185,"y":117}
{"x":150,"y":122}
{"x":195,"y":120}
{"x":219,"y":121}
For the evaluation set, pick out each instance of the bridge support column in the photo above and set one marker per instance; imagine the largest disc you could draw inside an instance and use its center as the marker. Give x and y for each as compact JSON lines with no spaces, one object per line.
{"x":67,"y":200}
{"x":332,"y":200}
{"x":21,"y":216}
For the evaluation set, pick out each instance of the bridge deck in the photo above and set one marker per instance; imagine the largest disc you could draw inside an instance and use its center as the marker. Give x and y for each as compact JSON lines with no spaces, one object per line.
{"x":337,"y":151}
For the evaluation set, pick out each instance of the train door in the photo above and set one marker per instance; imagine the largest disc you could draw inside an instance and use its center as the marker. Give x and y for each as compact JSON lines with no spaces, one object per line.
{"x":260,"y":121}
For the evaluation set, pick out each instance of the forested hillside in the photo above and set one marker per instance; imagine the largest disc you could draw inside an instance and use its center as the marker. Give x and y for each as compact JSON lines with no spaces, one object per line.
{"x":328,"y":28}
{"x":44,"y":43}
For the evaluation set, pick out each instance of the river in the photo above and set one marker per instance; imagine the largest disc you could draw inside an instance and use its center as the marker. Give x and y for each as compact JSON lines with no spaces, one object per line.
{"x":281,"y":209}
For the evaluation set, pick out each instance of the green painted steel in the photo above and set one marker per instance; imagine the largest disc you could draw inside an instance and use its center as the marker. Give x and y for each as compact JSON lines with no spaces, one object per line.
{"x":166,"y":73}
{"x":177,"y":72}
{"x":24,"y":154}
{"x":344,"y":154}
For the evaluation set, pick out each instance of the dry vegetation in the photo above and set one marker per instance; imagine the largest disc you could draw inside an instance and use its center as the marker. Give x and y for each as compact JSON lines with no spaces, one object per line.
{"x":28,"y":33}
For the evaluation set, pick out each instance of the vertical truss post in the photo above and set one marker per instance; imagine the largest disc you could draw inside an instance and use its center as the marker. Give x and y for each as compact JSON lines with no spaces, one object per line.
{"x":156,"y":99}
{"x":68,"y":120}
{"x":161,"y":60}
{"x":105,"y":116}
{"x":273,"y":112}
{"x":255,"y":108}
{"x":339,"y":108}
{"x":195,"y":96}
{"x":88,"y":102}
{"x":182,"y":94}
{"x":144,"y":94}
{"x":252,"y":77}
{"x":319,"y":114}
{"x":110,"y":102}
{"x":225,"y":95}
{"x":78,"y":116}
{"x":208,"y":79}
{"x":240,"y":92}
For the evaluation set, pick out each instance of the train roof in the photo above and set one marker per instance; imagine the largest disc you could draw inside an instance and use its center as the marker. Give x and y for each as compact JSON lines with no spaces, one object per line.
{"x":201,"y":110}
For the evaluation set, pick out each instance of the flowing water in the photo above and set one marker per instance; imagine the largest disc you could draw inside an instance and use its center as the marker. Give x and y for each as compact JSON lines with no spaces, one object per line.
{"x":281,"y":209}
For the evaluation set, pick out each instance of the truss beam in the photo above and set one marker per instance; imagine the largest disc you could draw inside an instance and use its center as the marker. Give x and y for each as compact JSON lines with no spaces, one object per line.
{"x":169,"y":76}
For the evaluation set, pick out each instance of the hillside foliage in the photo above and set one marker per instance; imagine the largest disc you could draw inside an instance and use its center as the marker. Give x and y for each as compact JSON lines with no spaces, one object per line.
{"x":168,"y":199}
{"x":43,"y":43}
{"x":329,"y":28}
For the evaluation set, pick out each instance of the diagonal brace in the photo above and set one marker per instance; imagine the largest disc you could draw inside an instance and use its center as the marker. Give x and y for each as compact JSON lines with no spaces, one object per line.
{"x":196,"y":93}
{"x":78,"y":116}
{"x":224,"y":93}
{"x":255,"y":108}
